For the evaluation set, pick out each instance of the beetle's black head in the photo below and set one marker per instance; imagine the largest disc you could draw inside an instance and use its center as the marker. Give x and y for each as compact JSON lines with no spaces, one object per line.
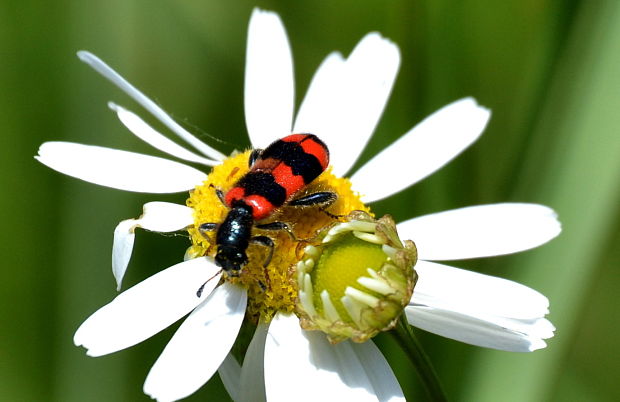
{"x":230,"y":259}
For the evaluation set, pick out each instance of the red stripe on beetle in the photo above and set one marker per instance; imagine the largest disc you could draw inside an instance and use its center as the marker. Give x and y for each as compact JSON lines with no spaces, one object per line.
{"x":261,"y":207}
{"x":310,"y":146}
{"x":295,"y":138}
{"x":234,"y":194}
{"x":283,"y":175}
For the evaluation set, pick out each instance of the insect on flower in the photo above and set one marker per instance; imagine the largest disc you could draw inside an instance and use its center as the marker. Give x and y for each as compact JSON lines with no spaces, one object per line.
{"x":277,"y":173}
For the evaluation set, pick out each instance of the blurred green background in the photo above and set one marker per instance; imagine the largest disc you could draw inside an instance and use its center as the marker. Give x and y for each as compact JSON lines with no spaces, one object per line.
{"x":549,"y":70}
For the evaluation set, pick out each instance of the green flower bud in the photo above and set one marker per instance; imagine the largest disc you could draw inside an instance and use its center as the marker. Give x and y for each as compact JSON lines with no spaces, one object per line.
{"x":356,"y":278}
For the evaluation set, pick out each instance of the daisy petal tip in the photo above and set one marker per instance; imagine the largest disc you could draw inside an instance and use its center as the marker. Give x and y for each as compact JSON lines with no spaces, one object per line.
{"x":79,"y":341}
{"x":381,"y":47}
{"x":470,"y":101}
{"x":544,"y":329}
{"x":115,"y":107}
{"x":89,"y":58}
{"x":93,"y":353}
{"x":537,"y":344}
{"x":90,"y":351}
{"x":79,"y":336}
{"x":378,"y":38}
{"x":475,"y":112}
{"x":154,"y":393}
{"x":49,"y":152}
{"x":84,"y":55}
{"x":547,"y":221}
{"x":556,"y":224}
{"x":483,"y":113}
{"x":41,"y":151}
{"x":76,"y":341}
{"x":335,"y":56}
{"x":260,"y":15}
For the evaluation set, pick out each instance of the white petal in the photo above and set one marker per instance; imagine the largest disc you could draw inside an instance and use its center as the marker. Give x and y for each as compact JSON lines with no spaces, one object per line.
{"x":199,"y":346}
{"x":294,"y":358}
{"x":152,"y":137}
{"x":321,"y":112}
{"x":457,"y":289}
{"x":98,"y":65}
{"x":159,"y":216}
{"x":147,"y":308}
{"x":252,"y":387}
{"x":119,"y":169}
{"x":423,"y":150}
{"x":156,"y":216}
{"x":230,"y":372}
{"x":346,"y":99}
{"x":510,"y":334}
{"x":378,"y":370}
{"x":269,"y":82}
{"x":122,"y":248}
{"x":481,"y":231}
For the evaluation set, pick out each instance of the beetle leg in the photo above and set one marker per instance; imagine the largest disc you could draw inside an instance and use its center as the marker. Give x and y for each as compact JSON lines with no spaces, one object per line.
{"x":267,"y":242}
{"x":254,"y":156}
{"x":322,"y":199}
{"x":207,"y":227}
{"x":220,"y":195}
{"x":277,"y":226}
{"x":202,"y":287}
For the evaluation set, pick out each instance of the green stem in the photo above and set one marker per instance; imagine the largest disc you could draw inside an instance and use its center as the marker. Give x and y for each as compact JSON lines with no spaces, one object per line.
{"x":405,"y":337}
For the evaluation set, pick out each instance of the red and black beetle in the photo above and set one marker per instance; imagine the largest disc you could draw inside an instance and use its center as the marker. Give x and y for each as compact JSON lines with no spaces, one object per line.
{"x":277,"y":173}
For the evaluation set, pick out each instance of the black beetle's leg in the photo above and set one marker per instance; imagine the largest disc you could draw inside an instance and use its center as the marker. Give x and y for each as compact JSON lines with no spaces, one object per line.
{"x":277,"y":226}
{"x":207,"y":227}
{"x":254,"y":156}
{"x":220,"y":195}
{"x":202,"y":287}
{"x":282,"y":226}
{"x":322,"y":199}
{"x":267,"y":242}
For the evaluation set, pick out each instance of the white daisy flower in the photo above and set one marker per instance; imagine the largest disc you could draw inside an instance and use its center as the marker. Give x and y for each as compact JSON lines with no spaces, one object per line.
{"x":343,"y":105}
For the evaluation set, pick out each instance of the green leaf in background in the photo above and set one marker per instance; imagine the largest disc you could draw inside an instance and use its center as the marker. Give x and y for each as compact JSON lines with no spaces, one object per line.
{"x":577,"y":171}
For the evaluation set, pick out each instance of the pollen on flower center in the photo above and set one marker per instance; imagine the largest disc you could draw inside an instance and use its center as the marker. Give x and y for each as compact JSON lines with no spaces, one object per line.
{"x":272,"y":288}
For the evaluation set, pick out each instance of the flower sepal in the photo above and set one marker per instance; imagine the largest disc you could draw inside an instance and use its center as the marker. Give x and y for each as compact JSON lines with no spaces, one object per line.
{"x":356,"y":278}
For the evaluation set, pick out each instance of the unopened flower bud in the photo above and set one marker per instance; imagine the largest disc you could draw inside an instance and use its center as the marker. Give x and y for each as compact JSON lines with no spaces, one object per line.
{"x":356,"y":279}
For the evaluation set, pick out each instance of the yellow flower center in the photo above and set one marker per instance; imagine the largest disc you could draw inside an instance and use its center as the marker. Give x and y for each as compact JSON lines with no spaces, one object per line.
{"x":272,"y":288}
{"x":341,"y":266}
